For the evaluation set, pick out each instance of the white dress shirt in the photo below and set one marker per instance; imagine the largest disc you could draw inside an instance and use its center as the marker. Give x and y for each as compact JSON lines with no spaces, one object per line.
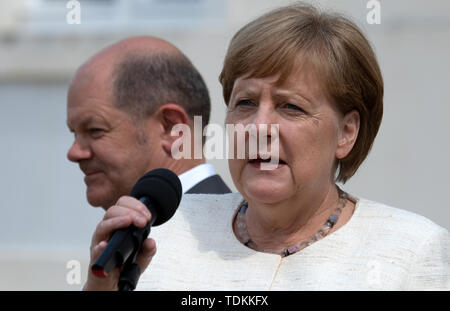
{"x":195,"y":175}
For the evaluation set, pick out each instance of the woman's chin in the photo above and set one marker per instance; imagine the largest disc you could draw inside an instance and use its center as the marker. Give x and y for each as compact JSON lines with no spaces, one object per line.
{"x":266,"y":192}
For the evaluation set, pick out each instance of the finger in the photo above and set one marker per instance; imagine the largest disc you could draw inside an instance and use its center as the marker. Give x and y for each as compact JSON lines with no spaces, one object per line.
{"x":97,"y":250}
{"x":147,"y":252}
{"x":117,"y":211}
{"x":106,"y":227}
{"x":133,"y":203}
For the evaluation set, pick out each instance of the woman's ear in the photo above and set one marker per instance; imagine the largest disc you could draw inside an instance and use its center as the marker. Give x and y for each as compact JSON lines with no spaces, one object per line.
{"x":348,"y":133}
{"x":168,"y":116}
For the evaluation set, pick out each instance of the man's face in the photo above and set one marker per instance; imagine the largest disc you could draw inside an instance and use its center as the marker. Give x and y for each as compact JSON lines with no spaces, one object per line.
{"x":111,"y":150}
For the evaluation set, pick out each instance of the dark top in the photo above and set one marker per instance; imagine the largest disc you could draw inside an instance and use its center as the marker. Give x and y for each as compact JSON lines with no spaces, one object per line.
{"x":211,"y":185}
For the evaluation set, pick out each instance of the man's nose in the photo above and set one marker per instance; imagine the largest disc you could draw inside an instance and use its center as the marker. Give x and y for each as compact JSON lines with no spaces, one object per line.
{"x":78,"y":152}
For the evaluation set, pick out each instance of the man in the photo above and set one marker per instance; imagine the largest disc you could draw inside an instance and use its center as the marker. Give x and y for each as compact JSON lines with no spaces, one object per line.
{"x":122,"y":105}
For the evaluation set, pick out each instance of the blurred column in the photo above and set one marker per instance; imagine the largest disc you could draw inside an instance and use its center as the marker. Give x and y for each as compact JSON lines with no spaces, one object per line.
{"x":11,"y":12}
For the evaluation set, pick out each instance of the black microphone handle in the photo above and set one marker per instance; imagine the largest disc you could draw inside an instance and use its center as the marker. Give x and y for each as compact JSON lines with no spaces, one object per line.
{"x":124,"y":244}
{"x":129,"y":277}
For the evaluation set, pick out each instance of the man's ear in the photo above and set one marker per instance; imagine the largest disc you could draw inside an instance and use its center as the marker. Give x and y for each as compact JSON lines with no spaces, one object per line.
{"x":349,"y":128}
{"x":170,"y":115}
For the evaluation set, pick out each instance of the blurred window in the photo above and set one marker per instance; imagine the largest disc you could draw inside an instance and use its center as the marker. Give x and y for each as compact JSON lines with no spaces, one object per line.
{"x":106,"y":16}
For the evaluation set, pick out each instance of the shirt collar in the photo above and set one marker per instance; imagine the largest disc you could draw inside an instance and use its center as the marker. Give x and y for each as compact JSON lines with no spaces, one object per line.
{"x":195,"y":175}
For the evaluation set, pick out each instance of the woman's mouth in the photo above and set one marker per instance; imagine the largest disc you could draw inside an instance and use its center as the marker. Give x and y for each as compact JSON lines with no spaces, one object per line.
{"x":267,"y":164}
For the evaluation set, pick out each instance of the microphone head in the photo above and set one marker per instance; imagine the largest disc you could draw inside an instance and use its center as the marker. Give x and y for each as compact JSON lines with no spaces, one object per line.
{"x":163,"y":188}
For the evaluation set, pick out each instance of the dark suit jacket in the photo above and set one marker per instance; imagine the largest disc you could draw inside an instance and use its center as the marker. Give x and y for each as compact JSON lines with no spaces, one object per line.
{"x":211,"y":185}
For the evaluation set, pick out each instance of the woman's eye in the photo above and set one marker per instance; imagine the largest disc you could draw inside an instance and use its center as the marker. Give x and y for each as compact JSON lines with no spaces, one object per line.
{"x":292,"y":107}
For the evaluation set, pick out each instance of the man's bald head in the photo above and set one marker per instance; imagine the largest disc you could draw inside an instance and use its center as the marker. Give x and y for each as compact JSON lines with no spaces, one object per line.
{"x":142,"y":73}
{"x":111,"y":55}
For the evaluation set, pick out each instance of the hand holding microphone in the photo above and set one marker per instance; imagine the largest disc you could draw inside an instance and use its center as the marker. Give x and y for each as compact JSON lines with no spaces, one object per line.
{"x":154,"y":199}
{"x":127,"y":211}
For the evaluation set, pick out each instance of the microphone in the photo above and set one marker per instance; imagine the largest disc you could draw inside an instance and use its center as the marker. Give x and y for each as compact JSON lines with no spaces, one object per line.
{"x":160,"y":190}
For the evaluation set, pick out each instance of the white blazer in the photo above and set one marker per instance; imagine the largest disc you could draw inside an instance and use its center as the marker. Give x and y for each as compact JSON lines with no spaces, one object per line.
{"x":379,"y":248}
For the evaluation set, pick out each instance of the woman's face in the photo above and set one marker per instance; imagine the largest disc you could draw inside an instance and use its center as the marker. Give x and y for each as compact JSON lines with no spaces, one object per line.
{"x":310,"y":136}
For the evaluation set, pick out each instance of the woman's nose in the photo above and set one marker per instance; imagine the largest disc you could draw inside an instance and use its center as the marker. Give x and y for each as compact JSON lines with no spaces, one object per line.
{"x":265,"y":115}
{"x":267,"y":128}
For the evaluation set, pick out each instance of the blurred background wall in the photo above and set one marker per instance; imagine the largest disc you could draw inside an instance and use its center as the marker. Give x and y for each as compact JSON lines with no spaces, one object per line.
{"x":45,"y":220}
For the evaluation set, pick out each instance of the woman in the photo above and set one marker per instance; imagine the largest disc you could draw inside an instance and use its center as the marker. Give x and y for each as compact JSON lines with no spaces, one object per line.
{"x":291,"y":228}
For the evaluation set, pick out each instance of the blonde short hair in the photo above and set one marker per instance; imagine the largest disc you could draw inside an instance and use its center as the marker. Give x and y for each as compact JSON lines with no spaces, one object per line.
{"x":340,"y":55}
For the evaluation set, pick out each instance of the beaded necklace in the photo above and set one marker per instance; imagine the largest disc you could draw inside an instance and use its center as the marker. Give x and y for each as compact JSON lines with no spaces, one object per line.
{"x":331,"y":221}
